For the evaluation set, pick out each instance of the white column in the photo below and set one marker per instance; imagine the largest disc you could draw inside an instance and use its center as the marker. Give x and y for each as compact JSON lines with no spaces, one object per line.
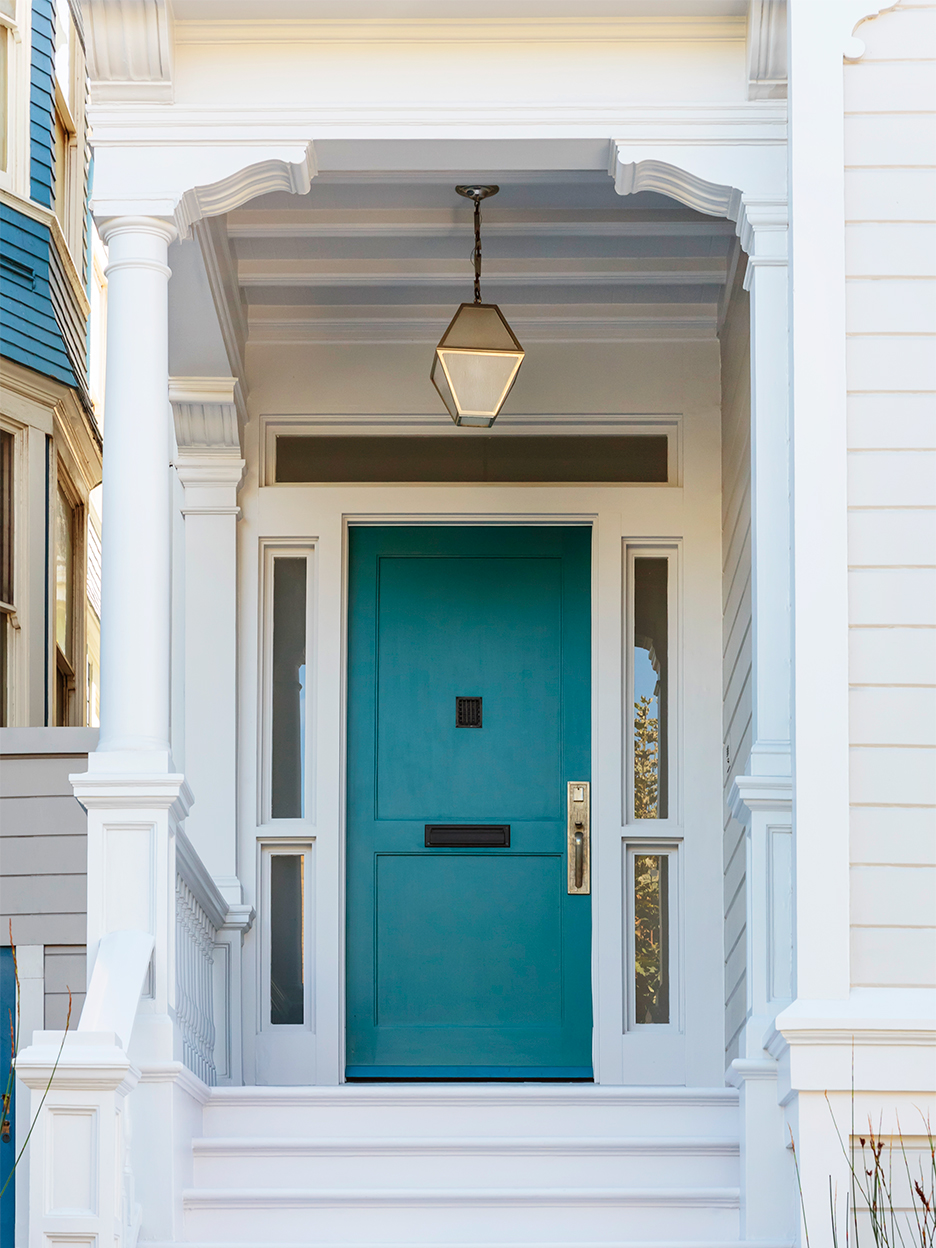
{"x":136,"y":505}
{"x":818,"y":33}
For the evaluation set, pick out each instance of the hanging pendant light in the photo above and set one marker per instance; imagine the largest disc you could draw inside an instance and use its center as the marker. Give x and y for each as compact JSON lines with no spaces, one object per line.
{"x":477,"y":361}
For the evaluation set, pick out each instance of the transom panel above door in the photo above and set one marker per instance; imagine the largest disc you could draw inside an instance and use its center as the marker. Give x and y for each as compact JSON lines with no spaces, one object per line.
{"x":469,"y":715}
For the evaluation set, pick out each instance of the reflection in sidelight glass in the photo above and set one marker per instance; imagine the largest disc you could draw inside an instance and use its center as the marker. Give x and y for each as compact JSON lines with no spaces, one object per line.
{"x":287,"y":780}
{"x":651,"y":938}
{"x":287,"y":936}
{"x":650,"y":689}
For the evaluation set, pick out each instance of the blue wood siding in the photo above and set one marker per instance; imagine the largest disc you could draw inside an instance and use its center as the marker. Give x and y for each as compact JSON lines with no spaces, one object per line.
{"x":29,"y":331}
{"x":42,"y":103}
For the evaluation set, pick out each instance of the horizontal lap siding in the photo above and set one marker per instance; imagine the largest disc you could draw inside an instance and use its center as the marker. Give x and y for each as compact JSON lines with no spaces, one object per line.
{"x":736,"y":642}
{"x":43,"y":850}
{"x":890,"y":131}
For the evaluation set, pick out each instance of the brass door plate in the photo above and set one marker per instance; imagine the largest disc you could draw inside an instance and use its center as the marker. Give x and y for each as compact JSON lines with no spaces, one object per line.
{"x":578,"y":838}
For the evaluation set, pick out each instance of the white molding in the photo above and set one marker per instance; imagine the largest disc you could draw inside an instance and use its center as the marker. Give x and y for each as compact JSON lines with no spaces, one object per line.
{"x":459,"y":1198}
{"x":195,"y":874}
{"x":753,"y":793}
{"x":630,"y":178}
{"x":467,"y":1146}
{"x":130,"y":791}
{"x":480,"y":1095}
{"x":129,"y":50}
{"x":483,"y":30}
{"x":177,"y":1074}
{"x":292,"y":329}
{"x":767,"y":49}
{"x":751,"y":1069}
{"x":216,"y":198}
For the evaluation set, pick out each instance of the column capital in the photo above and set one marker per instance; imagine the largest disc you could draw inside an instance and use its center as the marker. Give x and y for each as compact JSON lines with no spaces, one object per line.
{"x":93,"y":1060}
{"x":160,"y":227}
{"x":755,"y":793}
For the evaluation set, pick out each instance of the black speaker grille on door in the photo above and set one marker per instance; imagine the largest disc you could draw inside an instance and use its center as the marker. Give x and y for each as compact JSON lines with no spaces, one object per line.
{"x":467,"y":712}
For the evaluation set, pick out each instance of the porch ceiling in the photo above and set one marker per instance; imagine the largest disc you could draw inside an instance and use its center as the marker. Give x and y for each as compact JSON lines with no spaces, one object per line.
{"x":387,"y":259}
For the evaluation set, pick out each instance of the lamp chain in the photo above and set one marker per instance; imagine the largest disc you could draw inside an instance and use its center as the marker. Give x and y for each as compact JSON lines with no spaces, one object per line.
{"x":476,"y":254}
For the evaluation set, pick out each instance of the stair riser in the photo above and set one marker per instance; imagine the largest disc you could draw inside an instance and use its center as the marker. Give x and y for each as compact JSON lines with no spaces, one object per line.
{"x":460,"y":1224}
{"x":357,"y":1121}
{"x":446,"y":1170}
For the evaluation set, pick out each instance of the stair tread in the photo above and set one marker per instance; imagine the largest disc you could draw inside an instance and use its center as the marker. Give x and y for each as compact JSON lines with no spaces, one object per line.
{"x":266,"y":1197}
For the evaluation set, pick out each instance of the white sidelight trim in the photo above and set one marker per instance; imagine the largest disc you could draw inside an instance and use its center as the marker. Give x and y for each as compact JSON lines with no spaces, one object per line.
{"x":136,"y":559}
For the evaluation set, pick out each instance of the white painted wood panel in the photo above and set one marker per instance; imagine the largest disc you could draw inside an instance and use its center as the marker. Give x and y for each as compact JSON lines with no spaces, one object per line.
{"x":893,"y":716}
{"x":885,"y":478}
{"x":890,"y":194}
{"x":902,"y":534}
{"x":892,"y":306}
{"x":898,"y":363}
{"x":883,"y":895}
{"x":890,"y":248}
{"x":892,"y":596}
{"x":899,"y":420}
{"x":891,"y":776}
{"x":907,"y":34}
{"x":892,"y":656}
{"x":875,"y":140}
{"x":899,"y":957}
{"x":887,"y":86}
{"x":877,"y":836}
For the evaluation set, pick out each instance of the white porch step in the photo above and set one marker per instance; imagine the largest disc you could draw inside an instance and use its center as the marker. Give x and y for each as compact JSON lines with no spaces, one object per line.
{"x":458,"y":1162}
{"x":439,"y":1165}
{"x":419,"y":1216}
{"x":464,"y":1110}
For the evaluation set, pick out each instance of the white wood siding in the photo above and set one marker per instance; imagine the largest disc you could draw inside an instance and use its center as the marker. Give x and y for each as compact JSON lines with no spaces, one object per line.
{"x":736,"y":637}
{"x":890,"y":141}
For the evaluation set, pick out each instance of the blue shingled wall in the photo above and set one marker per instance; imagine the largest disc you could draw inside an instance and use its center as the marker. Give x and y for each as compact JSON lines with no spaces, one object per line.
{"x":29,"y":332}
{"x":42,"y":103}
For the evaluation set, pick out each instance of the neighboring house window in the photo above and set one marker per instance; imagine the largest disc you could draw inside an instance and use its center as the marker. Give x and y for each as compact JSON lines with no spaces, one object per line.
{"x":7,"y":605}
{"x":6,"y":10}
{"x":68,"y":129}
{"x":64,"y":590}
{"x":14,"y":98}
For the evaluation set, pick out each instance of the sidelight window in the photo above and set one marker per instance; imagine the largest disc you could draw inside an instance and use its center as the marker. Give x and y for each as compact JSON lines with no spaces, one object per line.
{"x":651,"y":882}
{"x":286,"y":934}
{"x":650,"y":701}
{"x":286,"y":698}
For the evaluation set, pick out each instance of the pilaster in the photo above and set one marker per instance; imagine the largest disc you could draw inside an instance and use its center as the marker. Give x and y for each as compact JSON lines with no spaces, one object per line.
{"x":210,"y":467}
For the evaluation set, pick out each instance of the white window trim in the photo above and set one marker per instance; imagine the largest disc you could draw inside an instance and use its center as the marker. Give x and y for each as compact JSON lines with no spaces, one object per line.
{"x":671,"y":849}
{"x":671,"y":550}
{"x":15,"y":178}
{"x":270,"y":551}
{"x":267,"y":849}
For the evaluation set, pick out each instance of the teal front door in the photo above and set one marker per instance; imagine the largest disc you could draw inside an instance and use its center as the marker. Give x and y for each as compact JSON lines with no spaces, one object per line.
{"x":468,"y":714}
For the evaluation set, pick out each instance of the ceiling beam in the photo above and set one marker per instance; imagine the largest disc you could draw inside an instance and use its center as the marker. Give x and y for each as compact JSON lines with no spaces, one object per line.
{"x":586,"y":271}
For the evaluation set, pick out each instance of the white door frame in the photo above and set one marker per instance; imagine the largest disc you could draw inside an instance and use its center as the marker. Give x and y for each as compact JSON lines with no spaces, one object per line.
{"x":684,"y":514}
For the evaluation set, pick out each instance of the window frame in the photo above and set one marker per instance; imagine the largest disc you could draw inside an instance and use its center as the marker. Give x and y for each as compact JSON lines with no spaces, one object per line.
{"x":671,"y":550}
{"x":65,"y":669}
{"x":17,"y":30}
{"x":670,"y":848}
{"x":270,"y":551}
{"x":267,"y":848}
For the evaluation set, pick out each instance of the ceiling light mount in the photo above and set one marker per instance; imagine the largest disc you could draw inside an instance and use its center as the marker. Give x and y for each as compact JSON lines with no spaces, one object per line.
{"x":478,"y":358}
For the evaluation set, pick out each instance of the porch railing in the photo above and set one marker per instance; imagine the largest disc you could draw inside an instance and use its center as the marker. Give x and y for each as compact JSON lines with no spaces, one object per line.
{"x":199,"y":914}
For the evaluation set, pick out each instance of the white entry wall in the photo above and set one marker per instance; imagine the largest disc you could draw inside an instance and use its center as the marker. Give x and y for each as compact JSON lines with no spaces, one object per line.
{"x":670,"y":387}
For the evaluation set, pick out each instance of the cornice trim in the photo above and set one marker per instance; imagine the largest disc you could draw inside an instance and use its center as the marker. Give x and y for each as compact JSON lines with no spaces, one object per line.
{"x":462,"y":30}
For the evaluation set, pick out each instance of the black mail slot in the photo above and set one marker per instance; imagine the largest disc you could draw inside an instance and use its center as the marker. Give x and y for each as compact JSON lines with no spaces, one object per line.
{"x":459,"y":835}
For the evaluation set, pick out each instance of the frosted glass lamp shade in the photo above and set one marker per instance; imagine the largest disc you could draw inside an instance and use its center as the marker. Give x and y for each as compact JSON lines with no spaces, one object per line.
{"x":476,"y":364}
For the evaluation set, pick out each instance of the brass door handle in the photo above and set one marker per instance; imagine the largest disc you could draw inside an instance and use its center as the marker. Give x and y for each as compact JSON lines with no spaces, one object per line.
{"x":578,"y":837}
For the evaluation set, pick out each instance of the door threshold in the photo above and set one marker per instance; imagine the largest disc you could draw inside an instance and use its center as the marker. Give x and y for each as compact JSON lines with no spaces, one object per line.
{"x":469,"y":1074}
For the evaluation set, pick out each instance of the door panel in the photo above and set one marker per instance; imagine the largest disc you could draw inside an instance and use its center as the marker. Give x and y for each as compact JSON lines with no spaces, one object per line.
{"x":467,"y":962}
